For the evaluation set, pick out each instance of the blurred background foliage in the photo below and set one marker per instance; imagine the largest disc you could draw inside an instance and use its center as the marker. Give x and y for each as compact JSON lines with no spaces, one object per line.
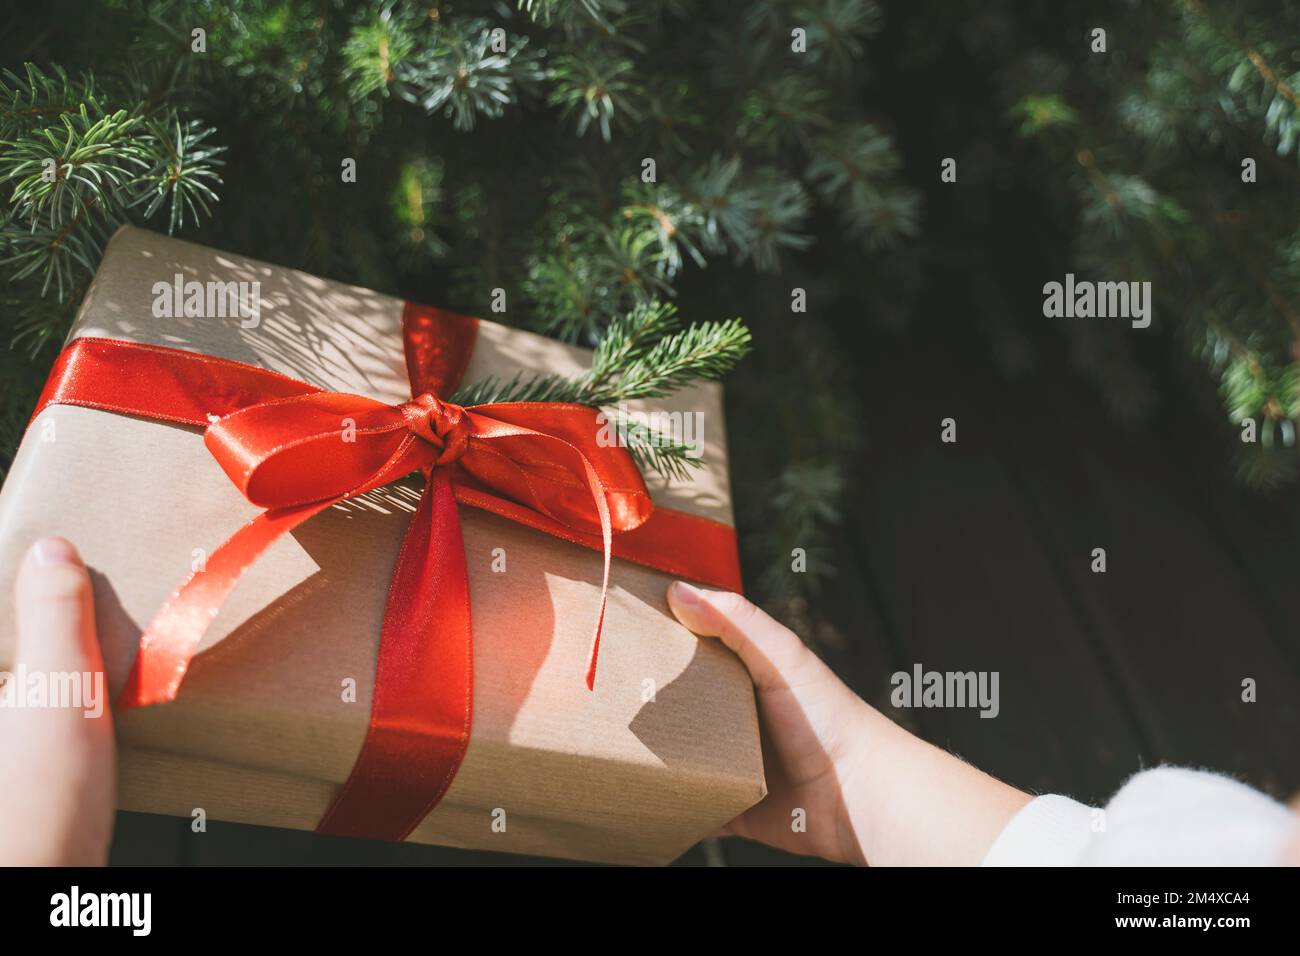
{"x":501,"y":144}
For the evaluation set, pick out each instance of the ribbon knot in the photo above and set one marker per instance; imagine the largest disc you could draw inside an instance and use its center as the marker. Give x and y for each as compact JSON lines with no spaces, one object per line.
{"x":441,"y":424}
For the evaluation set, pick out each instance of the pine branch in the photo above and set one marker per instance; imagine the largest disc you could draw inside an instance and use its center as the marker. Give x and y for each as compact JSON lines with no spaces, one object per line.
{"x":755,"y":216}
{"x":675,"y":222}
{"x":77,"y":170}
{"x":38,"y":97}
{"x":629,"y":339}
{"x":58,"y":255}
{"x":786,"y":110}
{"x":592,"y":272}
{"x":572,"y":15}
{"x":520,"y":388}
{"x":596,"y":90}
{"x":40,"y":321}
{"x":704,"y":351}
{"x":58,"y":172}
{"x":855,"y":170}
{"x":376,"y":58}
{"x":653,"y":450}
{"x":1253,"y":56}
{"x":838,"y":29}
{"x":464,"y":76}
{"x":182,"y":171}
{"x":1278,"y":104}
{"x":640,"y":356}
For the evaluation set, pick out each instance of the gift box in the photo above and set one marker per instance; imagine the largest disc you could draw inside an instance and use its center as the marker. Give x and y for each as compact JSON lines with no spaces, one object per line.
{"x":276,"y":706}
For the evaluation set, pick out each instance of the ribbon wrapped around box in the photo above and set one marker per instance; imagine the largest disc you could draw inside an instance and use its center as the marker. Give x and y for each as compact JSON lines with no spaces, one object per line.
{"x":391,"y":605}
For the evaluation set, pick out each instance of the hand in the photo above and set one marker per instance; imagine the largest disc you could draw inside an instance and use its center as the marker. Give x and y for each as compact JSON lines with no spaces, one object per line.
{"x":868,"y":790}
{"x":57,"y":763}
{"x":810,"y":728}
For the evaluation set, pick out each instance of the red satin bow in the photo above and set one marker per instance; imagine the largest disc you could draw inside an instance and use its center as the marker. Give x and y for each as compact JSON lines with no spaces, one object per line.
{"x":314,"y":450}
{"x":296,"y":450}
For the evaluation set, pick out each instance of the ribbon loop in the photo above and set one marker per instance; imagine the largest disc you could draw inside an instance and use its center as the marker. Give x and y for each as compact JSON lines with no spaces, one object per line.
{"x":308,"y":448}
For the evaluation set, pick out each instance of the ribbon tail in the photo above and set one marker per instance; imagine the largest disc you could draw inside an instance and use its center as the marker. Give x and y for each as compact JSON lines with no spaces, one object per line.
{"x":423,"y":693}
{"x":171,"y":640}
{"x":489,"y":429}
{"x":607,"y":548}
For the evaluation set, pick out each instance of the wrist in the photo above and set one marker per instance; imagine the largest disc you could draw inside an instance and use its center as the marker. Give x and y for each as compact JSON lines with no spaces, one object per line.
{"x":910,"y":803}
{"x":868,"y":735}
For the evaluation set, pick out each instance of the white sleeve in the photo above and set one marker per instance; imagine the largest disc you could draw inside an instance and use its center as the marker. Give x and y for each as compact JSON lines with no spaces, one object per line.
{"x":1163,"y":817}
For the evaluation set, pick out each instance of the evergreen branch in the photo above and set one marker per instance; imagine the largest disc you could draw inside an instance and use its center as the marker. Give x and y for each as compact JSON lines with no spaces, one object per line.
{"x":838,"y":29}
{"x":630,"y":337}
{"x":855,"y":170}
{"x":800,"y":506}
{"x":653,"y":450}
{"x":466,"y":69}
{"x":1262,"y":467}
{"x":1253,"y":57}
{"x":786,"y":110}
{"x":58,"y":172}
{"x":754,"y":217}
{"x":56,"y":254}
{"x":714,"y":188}
{"x":182,"y":171}
{"x":27,"y":101}
{"x":776,"y":209}
{"x":416,"y":203}
{"x":640,"y":356}
{"x":376,"y":56}
{"x":594,"y":272}
{"x":75,"y":171}
{"x":1038,"y":112}
{"x":465,"y":77}
{"x":706,"y":350}
{"x":675,"y":222}
{"x":520,"y":388}
{"x":1278,"y":105}
{"x":573,"y":14}
{"x":47,"y":320}
{"x":595,"y":89}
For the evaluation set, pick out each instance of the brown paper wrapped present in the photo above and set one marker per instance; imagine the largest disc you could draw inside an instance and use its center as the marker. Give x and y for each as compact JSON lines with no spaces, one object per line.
{"x":660,"y":754}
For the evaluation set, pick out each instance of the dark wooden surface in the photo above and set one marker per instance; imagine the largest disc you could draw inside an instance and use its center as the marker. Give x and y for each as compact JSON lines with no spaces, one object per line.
{"x":976,"y":556}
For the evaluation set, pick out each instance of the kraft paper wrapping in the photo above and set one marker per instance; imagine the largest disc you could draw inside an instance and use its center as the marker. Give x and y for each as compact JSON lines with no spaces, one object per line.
{"x":663,"y":752}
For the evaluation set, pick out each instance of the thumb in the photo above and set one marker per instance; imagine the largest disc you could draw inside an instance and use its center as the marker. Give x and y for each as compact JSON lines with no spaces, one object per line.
{"x":57,"y":748}
{"x":56,"y":619}
{"x":774,"y":655}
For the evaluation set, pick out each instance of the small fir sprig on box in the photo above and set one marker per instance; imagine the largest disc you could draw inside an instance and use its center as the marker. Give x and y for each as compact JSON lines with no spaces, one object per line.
{"x":643,"y":354}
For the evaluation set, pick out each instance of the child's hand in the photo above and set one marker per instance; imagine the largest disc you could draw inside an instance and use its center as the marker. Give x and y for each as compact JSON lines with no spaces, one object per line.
{"x":57,"y":764}
{"x":845,"y":782}
{"x":811,"y":728}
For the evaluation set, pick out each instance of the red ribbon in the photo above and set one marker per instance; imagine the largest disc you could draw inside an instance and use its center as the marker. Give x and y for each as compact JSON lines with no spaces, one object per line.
{"x":295,"y":450}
